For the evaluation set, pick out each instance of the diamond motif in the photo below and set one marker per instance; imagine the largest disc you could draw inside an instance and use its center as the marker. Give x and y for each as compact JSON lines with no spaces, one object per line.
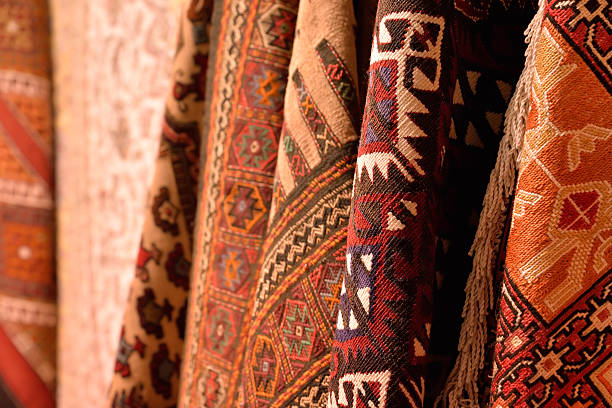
{"x":579,"y":211}
{"x":298,"y":331}
{"x":264,"y":367}
{"x":255,"y":147}
{"x":277,"y":26}
{"x":231,"y":268}
{"x":220,"y":331}
{"x":243,"y":207}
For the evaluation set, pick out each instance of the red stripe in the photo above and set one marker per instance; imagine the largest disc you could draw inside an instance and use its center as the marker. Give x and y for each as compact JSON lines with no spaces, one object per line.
{"x":23,"y":139}
{"x":23,"y":382}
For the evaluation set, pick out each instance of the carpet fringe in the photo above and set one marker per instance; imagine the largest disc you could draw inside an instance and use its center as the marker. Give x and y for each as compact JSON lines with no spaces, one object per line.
{"x":461,"y":389}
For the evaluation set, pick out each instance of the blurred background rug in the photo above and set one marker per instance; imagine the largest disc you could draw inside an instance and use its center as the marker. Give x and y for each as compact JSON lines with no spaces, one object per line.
{"x":27,"y":276}
{"x":112,"y":63}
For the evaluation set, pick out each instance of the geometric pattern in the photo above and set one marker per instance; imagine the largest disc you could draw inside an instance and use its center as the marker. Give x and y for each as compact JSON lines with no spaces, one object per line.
{"x":245,"y":100}
{"x":332,"y":282}
{"x":284,"y":356}
{"x":318,"y":223}
{"x":277,"y":26}
{"x":244,"y":207}
{"x":361,"y":264}
{"x":256,"y":147}
{"x":585,"y":25}
{"x":267,"y":86}
{"x":574,"y":218}
{"x":298,"y":331}
{"x":340,"y":80}
{"x":553,"y":329}
{"x":386,"y":288}
{"x":538,"y":364}
{"x":430,"y":131}
{"x":295,"y":157}
{"x":221,"y":332}
{"x":370,"y":389}
{"x":265,"y":367}
{"x":479,"y":102}
{"x":232,"y":268}
{"x":279,"y":221}
{"x":295,"y":303}
{"x":316,"y":122}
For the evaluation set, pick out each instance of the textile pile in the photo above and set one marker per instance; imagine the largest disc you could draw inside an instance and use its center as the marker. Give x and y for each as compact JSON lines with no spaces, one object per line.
{"x":362,"y":203}
{"x":329,"y":267}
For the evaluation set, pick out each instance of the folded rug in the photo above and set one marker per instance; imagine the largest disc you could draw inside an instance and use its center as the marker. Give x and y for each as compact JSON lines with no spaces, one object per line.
{"x":151,"y":346}
{"x":251,"y":43}
{"x":285,"y":243}
{"x":440,"y":79}
{"x":554,"y":315}
{"x":286,"y":356}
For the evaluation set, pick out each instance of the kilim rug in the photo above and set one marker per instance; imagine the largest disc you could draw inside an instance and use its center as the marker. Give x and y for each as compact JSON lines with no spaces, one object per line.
{"x":27,"y":248}
{"x":284,"y":243}
{"x":150,"y":349}
{"x":440,"y":79}
{"x":553,"y":342}
{"x":554,"y":331}
{"x":286,"y":356}
{"x":252,"y":42}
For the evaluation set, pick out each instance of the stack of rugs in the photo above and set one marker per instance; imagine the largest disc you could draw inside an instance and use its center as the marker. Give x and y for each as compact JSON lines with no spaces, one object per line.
{"x":378,"y":203}
{"x":321,"y":178}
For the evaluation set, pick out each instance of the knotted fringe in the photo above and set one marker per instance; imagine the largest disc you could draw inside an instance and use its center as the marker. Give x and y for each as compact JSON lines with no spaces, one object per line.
{"x":461,"y":389}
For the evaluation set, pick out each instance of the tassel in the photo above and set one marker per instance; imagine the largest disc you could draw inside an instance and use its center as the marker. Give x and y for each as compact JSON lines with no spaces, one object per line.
{"x":461,"y":389}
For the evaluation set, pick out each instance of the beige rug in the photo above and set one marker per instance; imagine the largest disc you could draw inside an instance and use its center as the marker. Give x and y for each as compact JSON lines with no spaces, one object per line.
{"x":111,"y":74}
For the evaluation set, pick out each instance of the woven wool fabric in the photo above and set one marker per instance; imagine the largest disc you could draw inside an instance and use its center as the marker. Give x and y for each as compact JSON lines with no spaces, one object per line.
{"x":440,"y":79}
{"x":149,"y":355}
{"x":252,"y":43}
{"x":277,"y":226}
{"x":27,"y":256}
{"x":285,"y":362}
{"x":553,"y":329}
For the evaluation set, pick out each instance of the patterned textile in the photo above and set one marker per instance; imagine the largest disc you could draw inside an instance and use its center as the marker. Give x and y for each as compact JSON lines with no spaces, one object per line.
{"x":148,"y":359}
{"x":27,"y":256}
{"x":286,"y":357}
{"x":440,"y":79}
{"x":248,"y":76}
{"x":284,"y":243}
{"x":111,"y":64}
{"x":554,"y":337}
